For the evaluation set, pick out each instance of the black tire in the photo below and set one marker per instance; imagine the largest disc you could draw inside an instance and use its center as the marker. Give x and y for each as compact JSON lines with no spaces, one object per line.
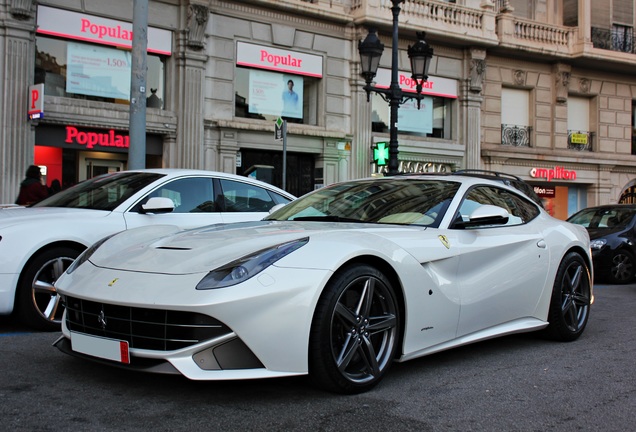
{"x":354,"y":332}
{"x":38,"y":304}
{"x":571,"y":299}
{"x":622,"y":269}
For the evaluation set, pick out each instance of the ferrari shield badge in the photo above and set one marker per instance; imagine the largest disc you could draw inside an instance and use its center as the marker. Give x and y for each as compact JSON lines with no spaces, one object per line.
{"x":113,"y":282}
{"x":444,"y":241}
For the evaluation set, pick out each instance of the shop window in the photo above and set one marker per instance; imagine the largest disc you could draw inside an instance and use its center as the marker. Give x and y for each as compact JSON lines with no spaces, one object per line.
{"x":433,"y":119}
{"x":268,"y":95}
{"x":94,"y":72}
{"x":515,"y":117}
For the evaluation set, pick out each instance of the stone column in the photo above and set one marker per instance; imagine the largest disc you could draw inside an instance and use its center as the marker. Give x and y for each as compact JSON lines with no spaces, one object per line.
{"x":190,"y":88}
{"x":470,"y":103}
{"x":361,"y":117}
{"x":17,"y":136}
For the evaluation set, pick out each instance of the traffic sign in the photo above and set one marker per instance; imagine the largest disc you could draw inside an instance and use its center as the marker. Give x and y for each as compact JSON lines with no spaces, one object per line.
{"x":278,"y":129}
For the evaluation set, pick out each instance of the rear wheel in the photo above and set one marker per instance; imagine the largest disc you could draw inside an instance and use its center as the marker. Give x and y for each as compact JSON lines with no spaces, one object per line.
{"x":354,"y":331}
{"x":571,"y":297}
{"x":38,"y":303}
{"x":622,"y":269}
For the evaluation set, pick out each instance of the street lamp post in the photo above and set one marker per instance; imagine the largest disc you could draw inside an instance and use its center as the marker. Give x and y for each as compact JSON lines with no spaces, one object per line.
{"x":420,"y":56}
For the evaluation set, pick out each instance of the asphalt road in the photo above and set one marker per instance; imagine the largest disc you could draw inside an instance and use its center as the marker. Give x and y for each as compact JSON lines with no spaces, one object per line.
{"x":515,"y":383}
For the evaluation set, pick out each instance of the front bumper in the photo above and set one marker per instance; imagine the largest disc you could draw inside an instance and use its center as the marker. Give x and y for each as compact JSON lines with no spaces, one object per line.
{"x":266,"y":320}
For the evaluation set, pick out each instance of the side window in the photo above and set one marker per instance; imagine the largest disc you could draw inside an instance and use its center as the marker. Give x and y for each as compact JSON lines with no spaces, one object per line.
{"x":521,"y":210}
{"x":190,"y":195}
{"x":244,"y":197}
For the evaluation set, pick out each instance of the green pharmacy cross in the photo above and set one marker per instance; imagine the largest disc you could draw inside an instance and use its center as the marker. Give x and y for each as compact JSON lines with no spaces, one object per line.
{"x":381,"y":154}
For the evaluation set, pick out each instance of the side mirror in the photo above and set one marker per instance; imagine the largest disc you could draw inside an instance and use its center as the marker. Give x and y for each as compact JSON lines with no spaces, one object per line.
{"x":487,"y":215}
{"x":158,"y":205}
{"x":276,"y":207}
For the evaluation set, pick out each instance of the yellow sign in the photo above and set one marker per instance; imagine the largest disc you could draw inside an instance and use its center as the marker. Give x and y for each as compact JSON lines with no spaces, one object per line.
{"x":444,"y":241}
{"x":578,"y":138}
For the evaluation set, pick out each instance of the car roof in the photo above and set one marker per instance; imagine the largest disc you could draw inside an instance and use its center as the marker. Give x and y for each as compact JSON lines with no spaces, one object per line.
{"x":610,"y":207}
{"x":510,"y":180}
{"x":177,"y":172}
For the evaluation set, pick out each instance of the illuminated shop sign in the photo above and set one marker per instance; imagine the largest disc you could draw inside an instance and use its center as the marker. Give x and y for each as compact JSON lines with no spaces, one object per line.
{"x":280,"y":60}
{"x":415,"y":167}
{"x":36,"y":101}
{"x":545,"y":191}
{"x":92,"y":139}
{"x":556,"y":173}
{"x":434,"y":86}
{"x":90,"y":28}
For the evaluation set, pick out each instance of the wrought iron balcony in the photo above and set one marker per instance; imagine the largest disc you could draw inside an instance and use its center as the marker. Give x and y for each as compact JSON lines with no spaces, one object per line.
{"x":580,"y":140}
{"x":515,"y":135}
{"x":616,"y":39}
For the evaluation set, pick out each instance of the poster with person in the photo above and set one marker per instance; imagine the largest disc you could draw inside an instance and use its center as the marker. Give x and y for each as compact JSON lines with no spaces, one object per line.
{"x":276,"y":94}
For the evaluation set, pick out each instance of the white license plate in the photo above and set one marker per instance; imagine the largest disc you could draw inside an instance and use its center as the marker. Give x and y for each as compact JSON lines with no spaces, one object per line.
{"x":110,"y":349}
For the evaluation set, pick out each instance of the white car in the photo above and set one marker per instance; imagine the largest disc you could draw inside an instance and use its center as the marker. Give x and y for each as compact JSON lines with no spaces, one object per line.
{"x":38,"y":243}
{"x":337,"y":284}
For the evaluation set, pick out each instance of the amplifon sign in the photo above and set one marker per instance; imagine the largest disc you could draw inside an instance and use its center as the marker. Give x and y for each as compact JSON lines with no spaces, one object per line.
{"x":90,"y":28}
{"x":434,"y":86}
{"x":556,"y":173}
{"x":280,"y":60}
{"x":91,"y":139}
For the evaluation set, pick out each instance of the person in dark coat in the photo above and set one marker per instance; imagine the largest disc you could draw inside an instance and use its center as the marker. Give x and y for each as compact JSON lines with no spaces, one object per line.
{"x":55,"y":187}
{"x":31,"y":189}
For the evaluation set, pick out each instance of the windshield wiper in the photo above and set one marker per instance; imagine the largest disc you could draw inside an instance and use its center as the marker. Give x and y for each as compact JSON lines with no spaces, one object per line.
{"x":329,"y":218}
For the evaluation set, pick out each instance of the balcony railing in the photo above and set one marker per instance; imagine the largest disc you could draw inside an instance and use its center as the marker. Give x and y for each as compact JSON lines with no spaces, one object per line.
{"x":515,"y":135}
{"x":621,"y":39}
{"x":580,"y":140}
{"x":441,"y":18}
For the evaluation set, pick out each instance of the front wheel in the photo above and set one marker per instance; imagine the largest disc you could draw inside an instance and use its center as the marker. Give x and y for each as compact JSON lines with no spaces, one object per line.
{"x":571,"y":299}
{"x":622,"y":268}
{"x":38,"y":304}
{"x":354,"y":332}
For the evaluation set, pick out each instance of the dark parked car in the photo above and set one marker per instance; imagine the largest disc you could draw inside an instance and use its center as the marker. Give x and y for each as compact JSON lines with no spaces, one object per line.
{"x":612,"y":234}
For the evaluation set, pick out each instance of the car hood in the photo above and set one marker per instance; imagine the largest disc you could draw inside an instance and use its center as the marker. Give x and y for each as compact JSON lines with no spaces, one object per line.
{"x":203,"y":249}
{"x":19,"y":215}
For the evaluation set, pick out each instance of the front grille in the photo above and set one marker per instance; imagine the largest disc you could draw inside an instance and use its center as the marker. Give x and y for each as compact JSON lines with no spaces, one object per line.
{"x":143,"y":328}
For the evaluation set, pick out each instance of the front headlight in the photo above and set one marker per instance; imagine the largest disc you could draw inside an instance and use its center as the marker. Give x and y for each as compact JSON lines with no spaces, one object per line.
{"x":84,"y":256}
{"x":248,"y":266}
{"x":597,"y":244}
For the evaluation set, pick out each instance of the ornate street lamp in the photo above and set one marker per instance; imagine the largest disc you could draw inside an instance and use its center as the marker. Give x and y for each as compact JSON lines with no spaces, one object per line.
{"x":420,"y":56}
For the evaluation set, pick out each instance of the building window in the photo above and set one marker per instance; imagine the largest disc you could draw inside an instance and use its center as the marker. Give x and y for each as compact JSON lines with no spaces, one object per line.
{"x":580,"y":137}
{"x":268,"y":95}
{"x":634,"y":127}
{"x":434,"y":118}
{"x":515,"y":117}
{"x":80,"y":70}
{"x":622,"y":38}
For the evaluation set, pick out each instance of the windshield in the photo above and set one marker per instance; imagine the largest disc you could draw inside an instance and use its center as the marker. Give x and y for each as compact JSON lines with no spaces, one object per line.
{"x":389,"y":201}
{"x":605,"y":217}
{"x":104,"y":192}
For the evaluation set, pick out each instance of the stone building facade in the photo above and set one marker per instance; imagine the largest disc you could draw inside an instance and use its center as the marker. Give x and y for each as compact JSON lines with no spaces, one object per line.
{"x":540,"y":89}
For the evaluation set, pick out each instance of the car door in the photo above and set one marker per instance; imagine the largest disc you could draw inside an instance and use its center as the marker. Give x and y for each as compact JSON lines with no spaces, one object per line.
{"x":502,"y":268}
{"x":194,"y":204}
